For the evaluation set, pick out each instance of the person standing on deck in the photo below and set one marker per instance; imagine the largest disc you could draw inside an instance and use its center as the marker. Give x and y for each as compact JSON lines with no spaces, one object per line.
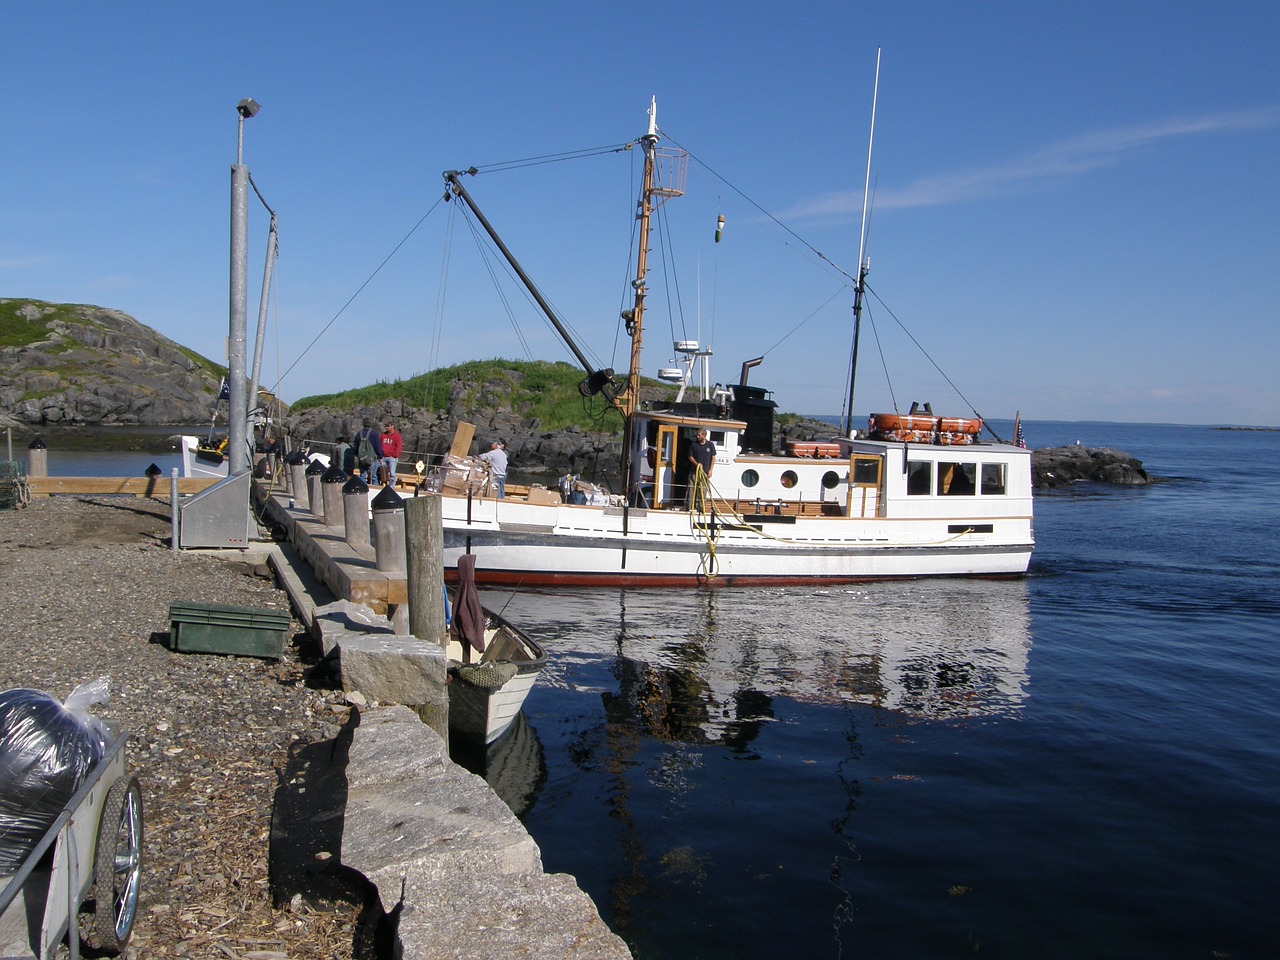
{"x":497,"y":460}
{"x":702,"y":459}
{"x":392,"y":444}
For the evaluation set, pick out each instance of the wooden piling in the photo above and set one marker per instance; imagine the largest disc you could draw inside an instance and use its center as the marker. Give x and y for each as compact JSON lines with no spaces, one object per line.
{"x":424,"y":563}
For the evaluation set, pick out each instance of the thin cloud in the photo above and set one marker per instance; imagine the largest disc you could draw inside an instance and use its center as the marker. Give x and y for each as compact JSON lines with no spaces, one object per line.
{"x":1066,"y":158}
{"x":24,"y":263}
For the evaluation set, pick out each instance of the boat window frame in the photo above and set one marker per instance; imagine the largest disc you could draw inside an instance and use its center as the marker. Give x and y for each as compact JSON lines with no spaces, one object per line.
{"x":957,"y":478}
{"x":1000,"y":487}
{"x":859,"y":465}
{"x":916,"y":469}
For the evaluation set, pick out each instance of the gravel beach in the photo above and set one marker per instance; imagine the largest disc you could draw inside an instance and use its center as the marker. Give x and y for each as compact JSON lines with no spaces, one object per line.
{"x":87,"y":584}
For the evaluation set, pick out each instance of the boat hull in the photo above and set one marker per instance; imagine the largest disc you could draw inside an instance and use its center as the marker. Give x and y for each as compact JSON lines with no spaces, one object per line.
{"x":587,"y":546}
{"x":482,"y":713}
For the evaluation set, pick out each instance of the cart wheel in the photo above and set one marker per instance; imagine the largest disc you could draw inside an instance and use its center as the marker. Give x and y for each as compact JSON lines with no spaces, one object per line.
{"x":117,"y":866}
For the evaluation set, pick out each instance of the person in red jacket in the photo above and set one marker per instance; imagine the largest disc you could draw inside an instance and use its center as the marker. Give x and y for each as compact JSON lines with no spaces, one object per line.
{"x":392,"y":444}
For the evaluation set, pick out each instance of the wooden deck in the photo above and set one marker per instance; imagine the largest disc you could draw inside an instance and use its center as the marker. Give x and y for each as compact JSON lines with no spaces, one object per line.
{"x":115,"y":486}
{"x":349,"y":572}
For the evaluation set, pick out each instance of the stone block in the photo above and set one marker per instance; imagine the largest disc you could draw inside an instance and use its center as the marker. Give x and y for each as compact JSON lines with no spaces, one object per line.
{"x":393,"y":669}
{"x":334,"y":621}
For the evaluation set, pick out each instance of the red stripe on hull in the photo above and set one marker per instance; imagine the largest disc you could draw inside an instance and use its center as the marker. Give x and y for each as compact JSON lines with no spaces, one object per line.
{"x":516,"y":578}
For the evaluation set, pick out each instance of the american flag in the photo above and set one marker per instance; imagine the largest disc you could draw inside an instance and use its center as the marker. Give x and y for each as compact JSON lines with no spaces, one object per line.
{"x":1019,"y":439}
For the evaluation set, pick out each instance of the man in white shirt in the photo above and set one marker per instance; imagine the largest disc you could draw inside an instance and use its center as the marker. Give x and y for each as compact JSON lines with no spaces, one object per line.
{"x":497,"y":460}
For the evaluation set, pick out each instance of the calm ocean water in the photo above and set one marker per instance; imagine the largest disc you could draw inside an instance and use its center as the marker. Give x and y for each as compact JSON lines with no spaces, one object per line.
{"x":1084,"y":763}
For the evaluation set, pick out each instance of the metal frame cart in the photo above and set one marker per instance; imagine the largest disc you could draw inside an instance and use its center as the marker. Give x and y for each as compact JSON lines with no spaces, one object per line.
{"x":92,"y":851}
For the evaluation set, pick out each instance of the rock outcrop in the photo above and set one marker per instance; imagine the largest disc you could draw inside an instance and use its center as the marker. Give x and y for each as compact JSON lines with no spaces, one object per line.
{"x":64,"y":365}
{"x":536,"y":454}
{"x":1062,"y":466}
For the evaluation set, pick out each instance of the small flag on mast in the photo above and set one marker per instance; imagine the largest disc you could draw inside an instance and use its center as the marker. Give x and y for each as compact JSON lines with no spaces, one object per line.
{"x":225,"y":392}
{"x":1019,"y":440}
{"x":719,"y":227}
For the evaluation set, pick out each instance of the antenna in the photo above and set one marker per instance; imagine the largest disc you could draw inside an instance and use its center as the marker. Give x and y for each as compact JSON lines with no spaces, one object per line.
{"x":862,"y":265}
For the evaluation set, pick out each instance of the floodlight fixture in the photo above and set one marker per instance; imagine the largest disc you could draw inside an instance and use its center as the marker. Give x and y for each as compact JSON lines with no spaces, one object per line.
{"x":248,"y":107}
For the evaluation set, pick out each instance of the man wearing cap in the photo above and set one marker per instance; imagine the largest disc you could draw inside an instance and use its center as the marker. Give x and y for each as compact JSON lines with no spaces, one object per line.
{"x":497,"y":460}
{"x":392,"y":444}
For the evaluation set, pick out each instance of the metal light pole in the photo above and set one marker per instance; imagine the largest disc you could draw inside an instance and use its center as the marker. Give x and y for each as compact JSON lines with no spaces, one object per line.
{"x":239,"y":459}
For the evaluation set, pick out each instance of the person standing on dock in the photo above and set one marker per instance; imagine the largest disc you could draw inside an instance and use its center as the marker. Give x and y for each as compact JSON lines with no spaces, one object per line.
{"x":392,"y":444}
{"x":368,"y":450}
{"x":497,"y":460}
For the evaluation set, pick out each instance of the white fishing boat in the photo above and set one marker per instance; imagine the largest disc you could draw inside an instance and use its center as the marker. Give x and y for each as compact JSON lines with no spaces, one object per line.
{"x":914,"y":495}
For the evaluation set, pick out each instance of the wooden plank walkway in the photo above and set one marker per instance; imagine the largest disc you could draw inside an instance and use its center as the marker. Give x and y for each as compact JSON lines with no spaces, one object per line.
{"x":349,"y":572}
{"x":115,"y":486}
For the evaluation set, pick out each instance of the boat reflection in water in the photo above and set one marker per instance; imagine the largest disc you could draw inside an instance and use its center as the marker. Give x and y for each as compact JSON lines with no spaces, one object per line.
{"x":514,"y":766}
{"x":706,"y":666}
{"x":732,"y":772}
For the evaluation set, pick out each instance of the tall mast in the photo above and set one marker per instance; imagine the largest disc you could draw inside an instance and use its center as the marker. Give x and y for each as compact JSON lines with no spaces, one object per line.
{"x":634,"y":318}
{"x":862,"y":264}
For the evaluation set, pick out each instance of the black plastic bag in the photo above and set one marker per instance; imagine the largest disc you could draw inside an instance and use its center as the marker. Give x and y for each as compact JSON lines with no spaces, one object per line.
{"x":47,"y":750}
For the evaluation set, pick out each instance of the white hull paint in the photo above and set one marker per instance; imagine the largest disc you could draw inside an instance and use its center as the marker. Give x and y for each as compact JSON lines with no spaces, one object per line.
{"x":482,"y":714}
{"x":899,"y":535}
{"x":472,"y":710}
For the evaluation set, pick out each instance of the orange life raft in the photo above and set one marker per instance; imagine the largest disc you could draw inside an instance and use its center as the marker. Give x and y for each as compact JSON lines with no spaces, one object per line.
{"x":915,"y":428}
{"x":812,"y":448}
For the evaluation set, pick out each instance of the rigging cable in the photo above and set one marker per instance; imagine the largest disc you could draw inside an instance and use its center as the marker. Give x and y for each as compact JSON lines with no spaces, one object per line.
{"x":799,"y":239}
{"x":550,"y":158}
{"x":958,"y":391}
{"x":359,"y":290}
{"x":487,"y":258}
{"x":433,"y":355}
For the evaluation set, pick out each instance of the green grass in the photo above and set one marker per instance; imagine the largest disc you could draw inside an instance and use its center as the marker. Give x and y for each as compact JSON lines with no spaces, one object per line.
{"x":537,"y":389}
{"x":16,"y":330}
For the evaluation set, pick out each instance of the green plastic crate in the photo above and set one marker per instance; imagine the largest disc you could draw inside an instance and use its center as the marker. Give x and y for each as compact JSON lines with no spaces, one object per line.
{"x":238,"y":631}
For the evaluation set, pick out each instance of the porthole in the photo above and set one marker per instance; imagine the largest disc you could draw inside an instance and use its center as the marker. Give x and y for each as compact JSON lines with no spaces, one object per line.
{"x":789,"y":479}
{"x":830,"y":480}
{"x":750,"y":478}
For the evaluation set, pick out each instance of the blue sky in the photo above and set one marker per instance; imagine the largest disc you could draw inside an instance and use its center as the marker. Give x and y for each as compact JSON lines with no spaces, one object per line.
{"x":1076,"y":210}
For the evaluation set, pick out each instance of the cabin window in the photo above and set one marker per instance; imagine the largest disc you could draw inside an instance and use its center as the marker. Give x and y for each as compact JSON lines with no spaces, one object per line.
{"x":957,"y":479}
{"x":919,"y":478}
{"x":993,"y":479}
{"x":866,"y":472}
{"x":830,"y":480}
{"x":789,"y":479}
{"x":750,"y":478}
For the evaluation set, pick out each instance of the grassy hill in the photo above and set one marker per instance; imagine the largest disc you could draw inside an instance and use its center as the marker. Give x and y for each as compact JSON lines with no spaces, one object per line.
{"x":535,"y":389}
